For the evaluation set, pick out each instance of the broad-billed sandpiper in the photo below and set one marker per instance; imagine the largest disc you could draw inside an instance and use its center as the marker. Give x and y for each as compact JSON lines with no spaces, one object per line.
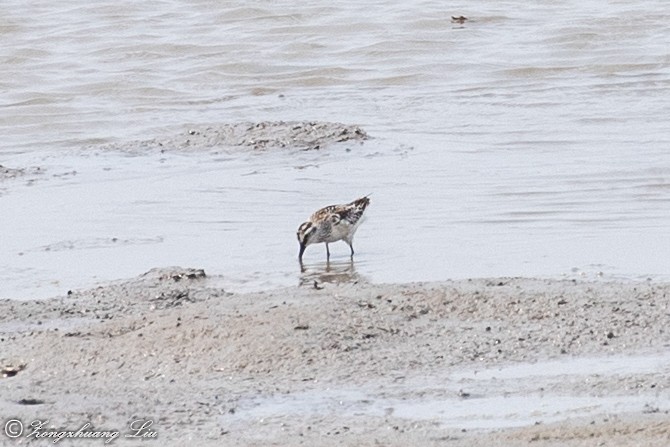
{"x":332,"y":223}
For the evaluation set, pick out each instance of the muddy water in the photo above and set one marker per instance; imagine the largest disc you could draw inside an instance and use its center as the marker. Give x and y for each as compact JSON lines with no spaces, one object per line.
{"x":529,"y":140}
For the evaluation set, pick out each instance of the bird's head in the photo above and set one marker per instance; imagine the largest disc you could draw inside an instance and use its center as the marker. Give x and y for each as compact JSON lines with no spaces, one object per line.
{"x":306,"y":233}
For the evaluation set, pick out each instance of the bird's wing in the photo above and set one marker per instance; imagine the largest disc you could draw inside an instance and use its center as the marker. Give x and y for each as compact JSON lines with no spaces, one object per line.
{"x":351,"y":212}
{"x":354,"y":211}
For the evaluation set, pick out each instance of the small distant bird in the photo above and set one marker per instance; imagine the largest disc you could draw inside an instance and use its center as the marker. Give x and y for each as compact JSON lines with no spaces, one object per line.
{"x":332,"y":223}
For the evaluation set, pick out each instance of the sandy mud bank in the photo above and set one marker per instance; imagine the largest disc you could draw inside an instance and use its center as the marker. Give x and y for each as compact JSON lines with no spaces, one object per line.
{"x":472,"y":362}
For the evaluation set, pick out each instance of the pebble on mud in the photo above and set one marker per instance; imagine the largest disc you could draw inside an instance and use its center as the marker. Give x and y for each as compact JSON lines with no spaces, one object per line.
{"x":30,"y":401}
{"x":11,"y":370}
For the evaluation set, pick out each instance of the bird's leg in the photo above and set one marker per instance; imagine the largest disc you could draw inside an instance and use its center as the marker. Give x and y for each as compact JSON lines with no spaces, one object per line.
{"x":351,"y":245}
{"x":327,"y":251}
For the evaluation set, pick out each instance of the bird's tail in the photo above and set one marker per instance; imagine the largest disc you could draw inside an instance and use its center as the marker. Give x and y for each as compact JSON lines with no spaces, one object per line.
{"x":362,"y":203}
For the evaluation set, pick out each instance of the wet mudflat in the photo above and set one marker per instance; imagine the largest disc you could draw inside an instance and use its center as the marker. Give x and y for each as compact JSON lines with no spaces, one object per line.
{"x":472,"y":361}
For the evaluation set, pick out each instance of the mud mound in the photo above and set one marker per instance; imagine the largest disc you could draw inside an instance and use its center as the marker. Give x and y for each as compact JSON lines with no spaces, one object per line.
{"x":266,"y":135}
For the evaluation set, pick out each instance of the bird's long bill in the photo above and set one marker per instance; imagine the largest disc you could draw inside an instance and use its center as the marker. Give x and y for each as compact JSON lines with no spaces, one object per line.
{"x":302,"y":250}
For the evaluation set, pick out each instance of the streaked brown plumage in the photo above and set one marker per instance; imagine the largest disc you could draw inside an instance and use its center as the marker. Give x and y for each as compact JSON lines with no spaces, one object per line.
{"x":332,"y":223}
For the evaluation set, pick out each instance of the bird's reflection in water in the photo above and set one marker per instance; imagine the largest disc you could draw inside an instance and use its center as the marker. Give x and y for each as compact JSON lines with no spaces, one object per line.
{"x":329,"y":272}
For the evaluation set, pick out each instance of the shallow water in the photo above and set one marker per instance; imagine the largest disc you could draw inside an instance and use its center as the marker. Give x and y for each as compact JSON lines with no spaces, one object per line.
{"x":511,"y":396}
{"x":531,"y":140}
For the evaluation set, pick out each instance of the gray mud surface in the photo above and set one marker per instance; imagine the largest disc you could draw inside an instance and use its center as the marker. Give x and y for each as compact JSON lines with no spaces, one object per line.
{"x":346,"y":364}
{"x":265,"y":135}
{"x":7,"y":173}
